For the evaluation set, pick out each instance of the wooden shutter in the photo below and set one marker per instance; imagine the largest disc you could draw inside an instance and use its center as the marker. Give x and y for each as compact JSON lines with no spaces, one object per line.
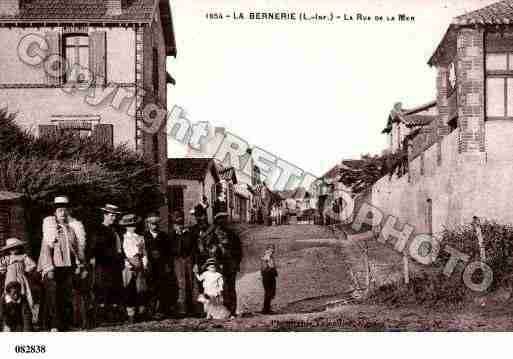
{"x":54,"y":48}
{"x":104,"y":133}
{"x":97,"y":56}
{"x":4,"y":223}
{"x":47,"y":130}
{"x":231,"y":195}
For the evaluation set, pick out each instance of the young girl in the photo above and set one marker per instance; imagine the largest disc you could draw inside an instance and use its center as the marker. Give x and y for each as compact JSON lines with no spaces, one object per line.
{"x":269,"y":274}
{"x":136,"y":266}
{"x":15,"y":264}
{"x":212,"y":298}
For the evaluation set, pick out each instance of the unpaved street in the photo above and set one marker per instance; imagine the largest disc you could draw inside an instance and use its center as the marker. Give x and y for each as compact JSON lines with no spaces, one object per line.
{"x":317,"y":270}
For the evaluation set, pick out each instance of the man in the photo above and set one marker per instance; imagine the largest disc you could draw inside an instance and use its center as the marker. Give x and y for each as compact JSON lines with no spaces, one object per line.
{"x":62,"y":255}
{"x":184,"y":253}
{"x":162,"y":278}
{"x":107,"y":262}
{"x":220,"y":242}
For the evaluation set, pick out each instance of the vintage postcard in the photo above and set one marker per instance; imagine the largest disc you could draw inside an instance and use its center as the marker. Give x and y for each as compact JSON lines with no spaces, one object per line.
{"x":242,"y":166}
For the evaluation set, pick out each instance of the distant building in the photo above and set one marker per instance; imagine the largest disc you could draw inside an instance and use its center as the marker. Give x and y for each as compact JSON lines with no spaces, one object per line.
{"x":189,"y":180}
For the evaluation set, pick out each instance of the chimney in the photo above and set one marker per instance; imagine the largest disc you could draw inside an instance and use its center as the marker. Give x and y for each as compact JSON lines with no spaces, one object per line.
{"x":113,"y":7}
{"x":10,"y":7}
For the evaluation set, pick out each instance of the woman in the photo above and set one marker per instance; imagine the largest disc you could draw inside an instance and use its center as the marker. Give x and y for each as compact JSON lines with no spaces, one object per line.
{"x":136,"y":267}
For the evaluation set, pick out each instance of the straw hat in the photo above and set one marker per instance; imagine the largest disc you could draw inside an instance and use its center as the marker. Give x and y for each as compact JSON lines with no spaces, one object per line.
{"x":129,"y":220}
{"x":210,"y":262}
{"x":61,"y":202}
{"x":110,"y":208}
{"x":221,"y":215}
{"x":12,"y":243}
{"x":153,"y":218}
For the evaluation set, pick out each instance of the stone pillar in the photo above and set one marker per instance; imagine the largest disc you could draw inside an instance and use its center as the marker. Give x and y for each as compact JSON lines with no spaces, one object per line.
{"x":10,"y":7}
{"x":471,"y":93}
{"x":113,"y":7}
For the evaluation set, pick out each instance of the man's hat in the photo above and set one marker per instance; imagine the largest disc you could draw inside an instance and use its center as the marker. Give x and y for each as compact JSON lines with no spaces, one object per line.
{"x":211,"y":261}
{"x":12,"y":243}
{"x":221,"y":215}
{"x":61,"y":202}
{"x":110,"y":208}
{"x":129,"y":220}
{"x":153,"y":218}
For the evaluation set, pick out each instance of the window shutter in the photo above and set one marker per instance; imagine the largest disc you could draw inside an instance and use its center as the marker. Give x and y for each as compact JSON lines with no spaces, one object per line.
{"x":4,"y":223}
{"x":47,"y":131}
{"x":97,"y":56}
{"x":53,"y":39}
{"x":231,"y":195}
{"x":104,"y":133}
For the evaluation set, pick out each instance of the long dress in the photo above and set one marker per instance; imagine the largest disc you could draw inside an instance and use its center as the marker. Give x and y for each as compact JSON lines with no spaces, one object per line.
{"x":17,"y":265}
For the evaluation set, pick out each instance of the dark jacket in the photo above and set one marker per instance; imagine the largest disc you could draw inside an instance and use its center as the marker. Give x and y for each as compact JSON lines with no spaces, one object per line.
{"x":16,"y":316}
{"x":224,"y":245}
{"x":184,"y":244}
{"x":159,"y":251}
{"x":104,"y":247}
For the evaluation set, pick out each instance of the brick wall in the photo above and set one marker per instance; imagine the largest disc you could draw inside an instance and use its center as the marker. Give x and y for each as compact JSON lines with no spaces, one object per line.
{"x":470,"y":74}
{"x":9,"y":7}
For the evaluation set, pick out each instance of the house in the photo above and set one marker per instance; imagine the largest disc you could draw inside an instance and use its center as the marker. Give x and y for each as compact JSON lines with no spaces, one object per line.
{"x":189,"y":180}
{"x":243,"y":199}
{"x":91,"y":67}
{"x":460,"y":164}
{"x":402,"y":123}
{"x":12,"y":216}
{"x":327,"y":194}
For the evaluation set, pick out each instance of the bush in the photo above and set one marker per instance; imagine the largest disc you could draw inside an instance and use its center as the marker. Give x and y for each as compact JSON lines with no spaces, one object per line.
{"x":434,"y":288}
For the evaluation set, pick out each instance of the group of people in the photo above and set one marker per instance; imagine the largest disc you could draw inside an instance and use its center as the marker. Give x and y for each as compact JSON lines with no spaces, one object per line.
{"x":279,"y":215}
{"x":122,"y":270}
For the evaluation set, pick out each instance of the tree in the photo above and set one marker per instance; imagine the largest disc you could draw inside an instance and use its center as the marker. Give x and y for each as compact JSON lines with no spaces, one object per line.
{"x":90,"y":173}
{"x":361,"y":174}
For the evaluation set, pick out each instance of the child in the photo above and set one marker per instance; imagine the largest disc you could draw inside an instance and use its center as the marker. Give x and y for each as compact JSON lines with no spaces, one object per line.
{"x":15,"y":314}
{"x":269,"y":274}
{"x":15,"y":265}
{"x":212,"y":298}
{"x":136,"y":266}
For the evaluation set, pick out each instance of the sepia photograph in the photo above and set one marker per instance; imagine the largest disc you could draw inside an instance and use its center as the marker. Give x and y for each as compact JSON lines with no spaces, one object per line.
{"x":248,"y":166}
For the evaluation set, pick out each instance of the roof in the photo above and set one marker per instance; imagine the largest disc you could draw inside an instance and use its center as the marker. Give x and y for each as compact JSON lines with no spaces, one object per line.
{"x":495,"y":14}
{"x":418,"y":120}
{"x":331,"y":173}
{"x":228,"y":174}
{"x":9,"y":196}
{"x":194,"y":169}
{"x":133,"y":11}
{"x":409,"y":117}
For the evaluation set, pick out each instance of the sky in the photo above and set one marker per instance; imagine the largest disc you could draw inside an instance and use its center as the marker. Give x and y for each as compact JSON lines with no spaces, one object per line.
{"x":310,"y":93}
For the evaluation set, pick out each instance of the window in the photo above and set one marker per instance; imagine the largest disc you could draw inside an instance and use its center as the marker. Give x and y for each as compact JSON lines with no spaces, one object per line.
{"x":176,"y":199}
{"x":499,"y":85}
{"x":76,"y":52}
{"x":155,"y":72}
{"x":156,"y":154}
